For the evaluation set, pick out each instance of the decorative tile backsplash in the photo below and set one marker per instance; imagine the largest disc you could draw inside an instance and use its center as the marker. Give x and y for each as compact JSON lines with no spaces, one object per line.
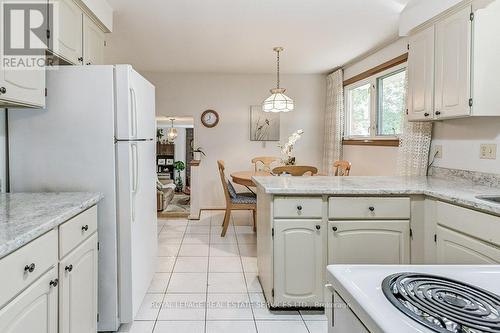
{"x":479,"y":178}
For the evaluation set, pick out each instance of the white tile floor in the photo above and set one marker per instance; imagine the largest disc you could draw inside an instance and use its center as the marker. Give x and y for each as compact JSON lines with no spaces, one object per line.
{"x":208,"y":284}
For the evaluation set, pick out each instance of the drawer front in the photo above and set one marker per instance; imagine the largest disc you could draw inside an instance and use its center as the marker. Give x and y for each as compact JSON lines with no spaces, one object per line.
{"x":22,"y":267}
{"x":469,"y":222}
{"x":346,"y":208}
{"x":298,"y":207}
{"x":77,"y":230}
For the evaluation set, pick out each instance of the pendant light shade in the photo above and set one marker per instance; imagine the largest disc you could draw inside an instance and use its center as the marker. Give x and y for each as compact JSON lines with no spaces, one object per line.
{"x":172,"y":132}
{"x":278,"y":101}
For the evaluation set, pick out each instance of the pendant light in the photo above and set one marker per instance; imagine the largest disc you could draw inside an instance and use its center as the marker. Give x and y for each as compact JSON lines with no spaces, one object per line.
{"x":278,"y":101}
{"x":172,"y":132}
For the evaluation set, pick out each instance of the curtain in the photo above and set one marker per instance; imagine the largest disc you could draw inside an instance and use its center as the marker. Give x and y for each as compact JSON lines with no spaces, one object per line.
{"x":334,"y":120}
{"x":414,"y":145}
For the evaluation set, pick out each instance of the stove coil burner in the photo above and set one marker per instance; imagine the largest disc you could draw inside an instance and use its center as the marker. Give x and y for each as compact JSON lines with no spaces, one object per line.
{"x":444,"y":305}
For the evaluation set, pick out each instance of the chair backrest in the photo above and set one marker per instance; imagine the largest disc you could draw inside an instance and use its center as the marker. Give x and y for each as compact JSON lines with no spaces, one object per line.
{"x":220,"y":165}
{"x":342,"y":168}
{"x":296,"y":170}
{"x":266,"y":161}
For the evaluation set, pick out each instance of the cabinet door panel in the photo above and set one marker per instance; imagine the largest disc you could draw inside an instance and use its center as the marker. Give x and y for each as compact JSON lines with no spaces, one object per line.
{"x":458,"y":249}
{"x":69,"y":25}
{"x":369,"y":242}
{"x":453,"y":65}
{"x":93,"y":43}
{"x":421,"y":75}
{"x":34,"y":310}
{"x":78,"y":295}
{"x":299,"y":262}
{"x":25,"y":87}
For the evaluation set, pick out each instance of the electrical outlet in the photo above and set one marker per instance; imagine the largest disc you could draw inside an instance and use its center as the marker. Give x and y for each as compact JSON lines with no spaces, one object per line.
{"x":438,"y":151}
{"x":488,"y":152}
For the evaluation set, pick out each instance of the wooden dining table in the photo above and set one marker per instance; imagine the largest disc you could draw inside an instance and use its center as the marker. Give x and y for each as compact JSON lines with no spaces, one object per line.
{"x":245,"y":177}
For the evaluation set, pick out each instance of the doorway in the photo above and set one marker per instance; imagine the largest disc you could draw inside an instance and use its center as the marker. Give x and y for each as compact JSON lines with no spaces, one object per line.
{"x":174,"y":154}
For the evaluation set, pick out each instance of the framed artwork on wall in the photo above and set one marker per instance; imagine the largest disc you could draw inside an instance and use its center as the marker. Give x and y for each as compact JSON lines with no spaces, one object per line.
{"x":264,"y":126}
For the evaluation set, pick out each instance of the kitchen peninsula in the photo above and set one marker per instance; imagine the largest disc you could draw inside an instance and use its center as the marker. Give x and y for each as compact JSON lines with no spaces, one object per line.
{"x":307,"y":223}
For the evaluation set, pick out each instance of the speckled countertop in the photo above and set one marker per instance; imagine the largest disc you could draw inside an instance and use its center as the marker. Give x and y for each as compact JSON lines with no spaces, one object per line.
{"x":462,"y":193}
{"x":26,"y":216}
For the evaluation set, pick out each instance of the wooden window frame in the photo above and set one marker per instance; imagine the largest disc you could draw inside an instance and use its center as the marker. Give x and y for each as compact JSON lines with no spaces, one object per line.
{"x":368,"y":77}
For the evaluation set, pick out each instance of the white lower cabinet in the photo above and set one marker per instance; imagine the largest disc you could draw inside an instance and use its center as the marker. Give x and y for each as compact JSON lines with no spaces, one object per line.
{"x":456,"y":248}
{"x":35,"y":310}
{"x":78,"y":289}
{"x":369,"y":242}
{"x":299,"y":262}
{"x":43,"y":292}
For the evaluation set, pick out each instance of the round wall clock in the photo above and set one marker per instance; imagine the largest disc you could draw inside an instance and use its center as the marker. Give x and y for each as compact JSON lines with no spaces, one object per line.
{"x":210,"y":118}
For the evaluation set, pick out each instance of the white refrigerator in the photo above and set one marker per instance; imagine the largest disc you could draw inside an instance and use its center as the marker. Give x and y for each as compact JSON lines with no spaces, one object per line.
{"x":97,"y":134}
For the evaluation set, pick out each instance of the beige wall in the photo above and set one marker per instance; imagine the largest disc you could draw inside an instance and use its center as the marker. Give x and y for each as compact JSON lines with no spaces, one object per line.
{"x":461,"y":139}
{"x":231,"y":96}
{"x":367,"y":160}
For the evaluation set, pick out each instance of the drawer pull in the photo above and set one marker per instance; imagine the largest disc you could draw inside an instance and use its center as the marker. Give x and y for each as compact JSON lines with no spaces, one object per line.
{"x":335,"y":229}
{"x":68,"y":268}
{"x":85,"y":228}
{"x":29,"y":268}
{"x":299,"y":208}
{"x":371,"y":208}
{"x":318,"y":227}
{"x":54,"y":283}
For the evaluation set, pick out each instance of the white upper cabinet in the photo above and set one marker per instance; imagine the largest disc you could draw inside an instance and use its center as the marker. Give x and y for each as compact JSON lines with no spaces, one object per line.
{"x":453,"y":65}
{"x":22,"y":87}
{"x":93,"y":43}
{"x":421,"y":75}
{"x":68,"y":23}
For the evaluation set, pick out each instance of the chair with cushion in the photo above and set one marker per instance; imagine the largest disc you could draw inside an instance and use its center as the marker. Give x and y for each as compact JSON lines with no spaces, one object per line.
{"x":295,"y":170}
{"x":234,"y":200}
{"x":266,"y":162}
{"x":342,"y":168}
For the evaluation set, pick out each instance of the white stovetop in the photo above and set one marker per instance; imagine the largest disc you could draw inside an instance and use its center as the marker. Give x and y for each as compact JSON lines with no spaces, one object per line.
{"x":361,"y":287}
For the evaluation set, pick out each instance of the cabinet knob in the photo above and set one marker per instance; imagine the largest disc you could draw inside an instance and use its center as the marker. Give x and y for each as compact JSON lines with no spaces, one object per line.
{"x":371,"y":208}
{"x":299,"y":207}
{"x":85,"y":227}
{"x":437,"y":113}
{"x":68,"y":268}
{"x":335,"y":229}
{"x":89,"y":63}
{"x":3,"y":90}
{"x":426,"y":114}
{"x":80,"y":59}
{"x":30,"y":268}
{"x":54,"y":283}
{"x":318,"y":227}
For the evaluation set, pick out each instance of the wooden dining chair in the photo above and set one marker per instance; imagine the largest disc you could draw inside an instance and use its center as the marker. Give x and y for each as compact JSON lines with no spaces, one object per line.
{"x":342,"y":168}
{"x":266,"y":161}
{"x":235,"y":201}
{"x":296,"y":170}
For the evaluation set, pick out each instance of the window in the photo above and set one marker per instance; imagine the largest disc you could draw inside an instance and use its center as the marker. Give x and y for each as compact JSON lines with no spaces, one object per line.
{"x":375,"y":105}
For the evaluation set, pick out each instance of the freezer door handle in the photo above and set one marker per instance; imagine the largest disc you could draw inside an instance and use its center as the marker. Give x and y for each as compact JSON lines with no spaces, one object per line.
{"x":133,"y":115}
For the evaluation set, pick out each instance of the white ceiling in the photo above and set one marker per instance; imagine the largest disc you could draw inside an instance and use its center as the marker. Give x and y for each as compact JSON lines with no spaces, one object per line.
{"x":237,"y":36}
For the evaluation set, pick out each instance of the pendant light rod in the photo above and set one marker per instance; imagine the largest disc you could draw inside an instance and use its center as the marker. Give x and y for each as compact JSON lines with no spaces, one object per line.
{"x":278,"y":49}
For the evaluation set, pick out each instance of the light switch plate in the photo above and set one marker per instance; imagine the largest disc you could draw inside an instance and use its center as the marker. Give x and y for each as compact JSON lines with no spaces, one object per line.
{"x":488,"y":152}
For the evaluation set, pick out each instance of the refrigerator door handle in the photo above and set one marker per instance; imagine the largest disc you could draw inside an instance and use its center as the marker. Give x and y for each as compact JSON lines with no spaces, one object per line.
{"x":135,"y":176}
{"x":134,"y":125}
